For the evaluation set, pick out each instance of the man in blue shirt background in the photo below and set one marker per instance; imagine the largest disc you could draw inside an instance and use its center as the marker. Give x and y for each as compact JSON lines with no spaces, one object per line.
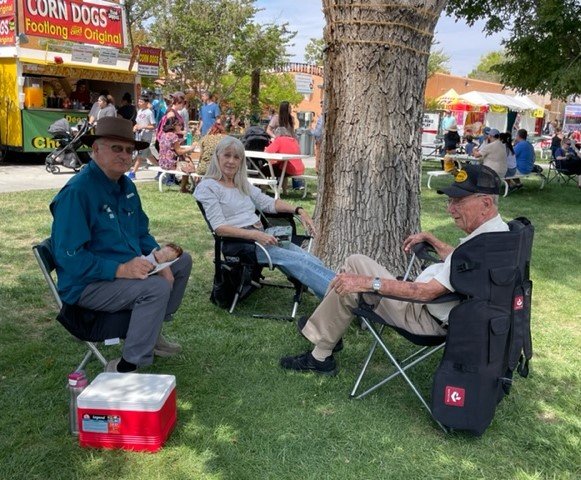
{"x":209,"y":113}
{"x":524,"y":152}
{"x":104,"y":252}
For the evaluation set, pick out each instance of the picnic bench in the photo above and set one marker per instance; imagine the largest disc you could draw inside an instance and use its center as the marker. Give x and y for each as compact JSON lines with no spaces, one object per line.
{"x":269,"y":182}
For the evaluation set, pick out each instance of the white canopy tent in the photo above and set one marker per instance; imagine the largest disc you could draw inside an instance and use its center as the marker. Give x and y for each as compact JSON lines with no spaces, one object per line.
{"x":499,"y":104}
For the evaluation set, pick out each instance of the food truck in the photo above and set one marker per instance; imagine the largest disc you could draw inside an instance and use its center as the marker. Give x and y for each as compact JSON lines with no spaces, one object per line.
{"x":56,"y":57}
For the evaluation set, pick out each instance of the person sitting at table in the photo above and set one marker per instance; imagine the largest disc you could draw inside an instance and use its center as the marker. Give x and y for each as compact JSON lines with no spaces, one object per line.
{"x":170,"y":148}
{"x":493,"y":153}
{"x":230,"y":202}
{"x":284,"y":142}
{"x":470,"y":145}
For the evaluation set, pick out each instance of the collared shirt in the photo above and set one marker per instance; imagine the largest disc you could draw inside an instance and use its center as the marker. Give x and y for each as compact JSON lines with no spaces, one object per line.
{"x":98,"y":224}
{"x":441,"y":271}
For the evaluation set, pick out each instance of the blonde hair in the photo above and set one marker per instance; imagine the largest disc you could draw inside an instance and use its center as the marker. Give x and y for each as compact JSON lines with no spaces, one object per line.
{"x":241,"y":177}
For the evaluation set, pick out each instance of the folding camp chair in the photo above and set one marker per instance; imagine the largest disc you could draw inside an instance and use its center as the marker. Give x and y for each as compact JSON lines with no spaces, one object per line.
{"x":243,"y":271}
{"x":100,"y":326}
{"x":558,"y":172}
{"x":486,"y":271}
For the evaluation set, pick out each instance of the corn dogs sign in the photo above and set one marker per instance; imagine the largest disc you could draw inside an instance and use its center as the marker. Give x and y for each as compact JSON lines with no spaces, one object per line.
{"x":75,"y":21}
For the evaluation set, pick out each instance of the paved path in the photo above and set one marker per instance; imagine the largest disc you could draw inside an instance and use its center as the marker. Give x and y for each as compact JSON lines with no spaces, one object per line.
{"x":15,"y":177}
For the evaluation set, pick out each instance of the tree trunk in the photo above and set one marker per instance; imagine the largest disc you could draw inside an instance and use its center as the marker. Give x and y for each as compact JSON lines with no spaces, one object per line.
{"x":375,"y":75}
{"x":255,"y":93}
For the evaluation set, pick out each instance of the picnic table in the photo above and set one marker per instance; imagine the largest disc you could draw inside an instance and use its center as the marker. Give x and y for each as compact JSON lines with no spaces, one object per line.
{"x":251,"y":155}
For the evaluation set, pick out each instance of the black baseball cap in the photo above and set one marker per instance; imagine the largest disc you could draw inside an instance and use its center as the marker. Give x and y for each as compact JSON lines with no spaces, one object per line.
{"x":473,"y":179}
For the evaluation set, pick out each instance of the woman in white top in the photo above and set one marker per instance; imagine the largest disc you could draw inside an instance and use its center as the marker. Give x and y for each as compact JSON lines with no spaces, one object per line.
{"x":230,"y":203}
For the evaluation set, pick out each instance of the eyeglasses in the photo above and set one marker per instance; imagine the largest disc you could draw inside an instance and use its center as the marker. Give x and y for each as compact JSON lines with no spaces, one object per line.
{"x":456,"y":202}
{"x":121,"y":148}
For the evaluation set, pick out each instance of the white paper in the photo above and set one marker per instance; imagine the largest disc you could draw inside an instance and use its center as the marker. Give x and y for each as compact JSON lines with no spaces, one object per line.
{"x":161,"y":266}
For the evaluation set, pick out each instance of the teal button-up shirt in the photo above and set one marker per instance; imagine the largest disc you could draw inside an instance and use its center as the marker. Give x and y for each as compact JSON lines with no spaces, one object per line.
{"x":98,"y":224}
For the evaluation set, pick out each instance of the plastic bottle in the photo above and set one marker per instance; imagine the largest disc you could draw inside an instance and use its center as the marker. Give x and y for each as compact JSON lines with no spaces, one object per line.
{"x":77,"y":383}
{"x":189,"y":138}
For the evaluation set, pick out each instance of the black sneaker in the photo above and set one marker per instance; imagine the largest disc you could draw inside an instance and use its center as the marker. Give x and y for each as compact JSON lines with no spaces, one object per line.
{"x":307,"y":363}
{"x":302,"y":321}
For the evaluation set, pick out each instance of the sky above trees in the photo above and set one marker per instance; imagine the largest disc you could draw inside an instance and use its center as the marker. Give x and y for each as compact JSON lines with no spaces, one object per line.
{"x":465,"y":45}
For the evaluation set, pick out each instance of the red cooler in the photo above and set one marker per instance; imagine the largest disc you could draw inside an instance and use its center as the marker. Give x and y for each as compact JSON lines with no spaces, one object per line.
{"x":127,"y":410}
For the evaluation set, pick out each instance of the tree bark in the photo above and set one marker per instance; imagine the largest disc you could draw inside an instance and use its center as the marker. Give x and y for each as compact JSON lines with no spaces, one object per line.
{"x":375,"y":75}
{"x":255,"y":92}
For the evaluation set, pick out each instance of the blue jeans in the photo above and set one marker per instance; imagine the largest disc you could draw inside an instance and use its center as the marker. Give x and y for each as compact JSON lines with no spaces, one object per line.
{"x":297,"y":263}
{"x":510,"y":172}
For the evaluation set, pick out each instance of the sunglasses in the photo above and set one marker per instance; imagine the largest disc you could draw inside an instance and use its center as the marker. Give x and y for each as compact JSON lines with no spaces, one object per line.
{"x":121,"y":148}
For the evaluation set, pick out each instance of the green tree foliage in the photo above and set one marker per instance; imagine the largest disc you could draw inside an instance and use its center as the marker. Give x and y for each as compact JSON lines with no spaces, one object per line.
{"x":199,"y":36}
{"x":274,"y":88}
{"x":257,"y":48}
{"x":314,"y":52}
{"x":438,"y":62}
{"x":543,"y":51}
{"x":485,"y":68}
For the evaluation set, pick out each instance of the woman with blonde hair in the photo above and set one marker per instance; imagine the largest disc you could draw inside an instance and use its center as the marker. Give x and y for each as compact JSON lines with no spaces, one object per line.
{"x":230,"y":203}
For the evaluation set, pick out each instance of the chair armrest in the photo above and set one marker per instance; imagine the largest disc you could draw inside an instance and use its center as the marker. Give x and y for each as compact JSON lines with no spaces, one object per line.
{"x":447,"y":297}
{"x":267,"y":255}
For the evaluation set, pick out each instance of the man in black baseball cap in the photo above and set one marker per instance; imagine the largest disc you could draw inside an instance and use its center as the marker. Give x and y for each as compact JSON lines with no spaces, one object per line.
{"x":473,"y":204}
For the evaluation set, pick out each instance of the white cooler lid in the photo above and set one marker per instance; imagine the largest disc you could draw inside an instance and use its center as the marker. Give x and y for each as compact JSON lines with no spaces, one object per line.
{"x":127,"y":391}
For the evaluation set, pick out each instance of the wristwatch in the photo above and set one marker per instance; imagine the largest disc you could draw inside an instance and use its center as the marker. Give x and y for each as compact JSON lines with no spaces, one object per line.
{"x":298,"y":209}
{"x":376,"y":284}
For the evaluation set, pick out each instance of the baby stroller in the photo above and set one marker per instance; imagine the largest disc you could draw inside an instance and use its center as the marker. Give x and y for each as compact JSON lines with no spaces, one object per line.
{"x":66,"y":154}
{"x":255,"y":138}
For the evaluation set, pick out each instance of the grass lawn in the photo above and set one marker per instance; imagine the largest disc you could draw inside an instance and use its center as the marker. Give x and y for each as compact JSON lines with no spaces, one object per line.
{"x":241,"y":417}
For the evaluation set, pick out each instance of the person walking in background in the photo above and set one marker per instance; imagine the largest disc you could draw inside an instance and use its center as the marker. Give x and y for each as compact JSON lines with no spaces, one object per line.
{"x":283,"y":119}
{"x":143,"y":129}
{"x":209,"y":113}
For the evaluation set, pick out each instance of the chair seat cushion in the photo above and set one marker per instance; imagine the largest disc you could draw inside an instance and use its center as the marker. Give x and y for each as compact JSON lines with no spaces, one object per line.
{"x":94,"y":326}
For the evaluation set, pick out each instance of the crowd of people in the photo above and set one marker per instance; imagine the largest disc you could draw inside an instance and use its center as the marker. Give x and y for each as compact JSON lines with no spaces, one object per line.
{"x":106,"y":257}
{"x":508,"y":157}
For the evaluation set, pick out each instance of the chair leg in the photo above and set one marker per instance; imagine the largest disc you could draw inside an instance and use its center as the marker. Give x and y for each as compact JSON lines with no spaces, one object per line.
{"x":401,"y":370}
{"x":364,"y":369}
{"x":95,"y":351}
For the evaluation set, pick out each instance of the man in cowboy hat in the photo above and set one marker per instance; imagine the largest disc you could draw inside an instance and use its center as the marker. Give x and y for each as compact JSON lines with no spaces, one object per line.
{"x":473,"y":204}
{"x":104,"y":252}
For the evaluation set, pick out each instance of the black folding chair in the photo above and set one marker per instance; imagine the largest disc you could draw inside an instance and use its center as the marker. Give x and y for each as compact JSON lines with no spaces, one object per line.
{"x":243,"y":273}
{"x":86,"y":326}
{"x":486,"y":282}
{"x":559,"y":172}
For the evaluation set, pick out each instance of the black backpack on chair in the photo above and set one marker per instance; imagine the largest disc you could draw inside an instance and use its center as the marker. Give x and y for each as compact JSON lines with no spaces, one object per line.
{"x":489,"y":334}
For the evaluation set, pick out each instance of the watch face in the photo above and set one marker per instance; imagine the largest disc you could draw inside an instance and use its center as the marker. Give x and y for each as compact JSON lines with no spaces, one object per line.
{"x":376,"y":284}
